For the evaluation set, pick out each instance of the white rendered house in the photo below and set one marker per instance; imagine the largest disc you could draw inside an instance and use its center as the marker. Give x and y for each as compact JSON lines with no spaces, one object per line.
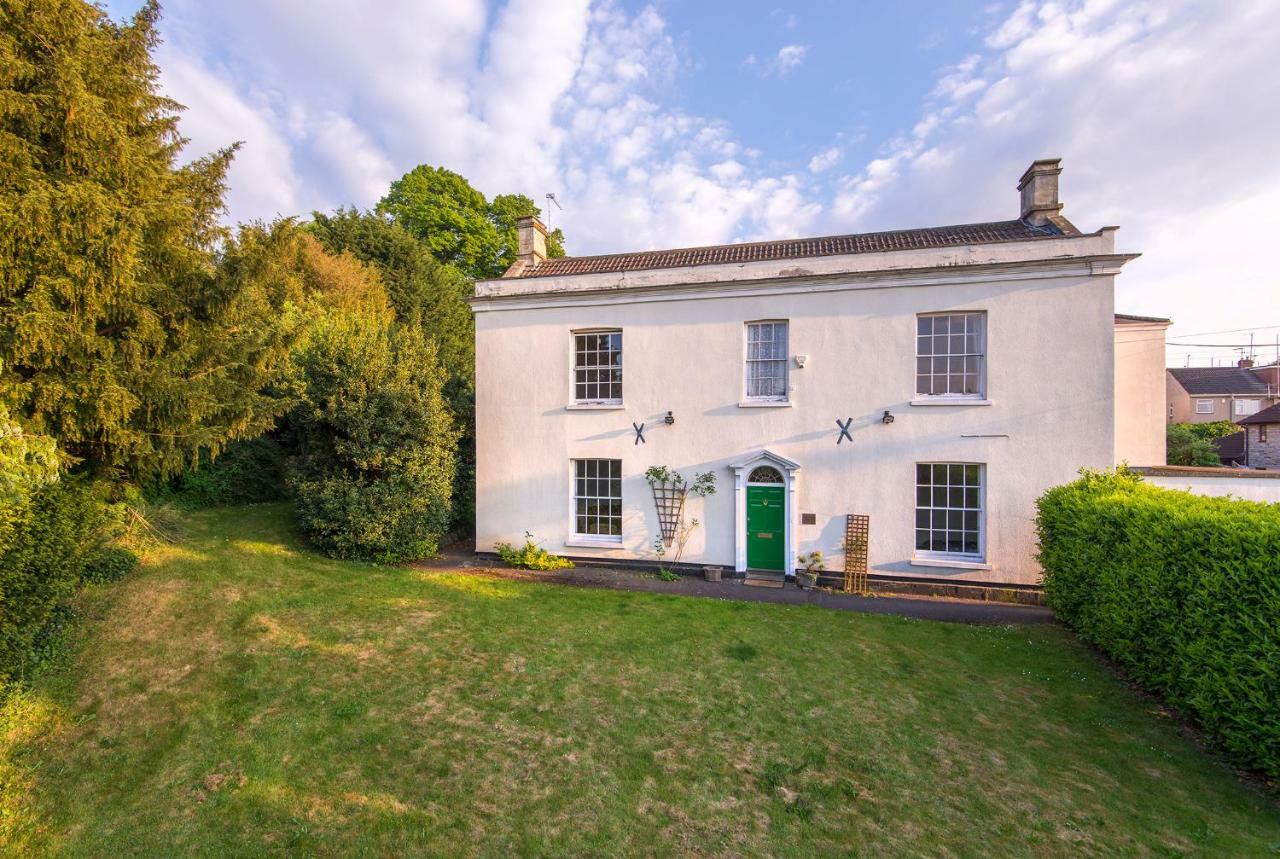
{"x":937,"y":380}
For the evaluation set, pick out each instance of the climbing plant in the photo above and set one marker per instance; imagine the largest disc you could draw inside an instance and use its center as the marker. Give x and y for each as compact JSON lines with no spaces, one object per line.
{"x":670,"y":489}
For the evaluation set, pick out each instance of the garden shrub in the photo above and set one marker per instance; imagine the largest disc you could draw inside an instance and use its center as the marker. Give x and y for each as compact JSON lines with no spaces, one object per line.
{"x":1185,"y":446}
{"x":531,"y":556}
{"x":374,"y":470}
{"x":42,"y":559}
{"x":108,"y":565}
{"x":1183,"y":591}
{"x":246,"y":472}
{"x":1209,"y":430}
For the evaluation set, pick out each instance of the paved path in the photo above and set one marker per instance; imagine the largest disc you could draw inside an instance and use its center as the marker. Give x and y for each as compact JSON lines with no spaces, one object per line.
{"x":925,"y":608}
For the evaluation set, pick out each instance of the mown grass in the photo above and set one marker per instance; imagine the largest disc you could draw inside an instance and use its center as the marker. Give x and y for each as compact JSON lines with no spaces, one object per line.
{"x":240,"y":696}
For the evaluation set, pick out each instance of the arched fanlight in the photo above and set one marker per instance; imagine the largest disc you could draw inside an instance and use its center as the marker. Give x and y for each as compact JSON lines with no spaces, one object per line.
{"x":764,"y":474}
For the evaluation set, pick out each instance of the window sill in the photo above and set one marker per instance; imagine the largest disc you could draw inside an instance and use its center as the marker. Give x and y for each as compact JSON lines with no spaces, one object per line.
{"x":594,"y":407}
{"x":594,"y":542}
{"x":765,"y":404}
{"x":948,"y":563}
{"x":950,"y":401}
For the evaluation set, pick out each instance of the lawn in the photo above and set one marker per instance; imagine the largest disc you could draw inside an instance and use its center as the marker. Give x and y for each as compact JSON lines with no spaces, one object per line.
{"x":240,"y":696}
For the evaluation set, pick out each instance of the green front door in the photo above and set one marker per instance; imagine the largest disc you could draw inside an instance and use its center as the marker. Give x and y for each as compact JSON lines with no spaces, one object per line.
{"x":766,"y":521}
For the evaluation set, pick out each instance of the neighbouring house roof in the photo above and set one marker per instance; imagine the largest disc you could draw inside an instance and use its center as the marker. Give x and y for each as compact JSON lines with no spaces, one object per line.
{"x":1231,"y":447}
{"x":785,"y":249}
{"x":1232,"y":381}
{"x":1130,"y":319}
{"x":1269,"y":415}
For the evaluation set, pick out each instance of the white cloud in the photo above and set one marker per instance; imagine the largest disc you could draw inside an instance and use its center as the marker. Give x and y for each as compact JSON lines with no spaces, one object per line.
{"x":1156,"y":109}
{"x":1159,"y":109}
{"x":788,"y":58}
{"x":334,"y":103}
{"x":825,"y":160}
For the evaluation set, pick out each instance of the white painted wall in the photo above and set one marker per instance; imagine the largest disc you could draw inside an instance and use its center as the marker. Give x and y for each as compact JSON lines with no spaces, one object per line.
{"x":1141,"y":400}
{"x":1050,"y":383}
{"x":1246,"y":488}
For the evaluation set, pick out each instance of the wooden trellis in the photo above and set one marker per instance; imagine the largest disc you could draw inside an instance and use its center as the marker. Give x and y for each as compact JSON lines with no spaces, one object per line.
{"x":857,"y":531}
{"x":669,"y":499}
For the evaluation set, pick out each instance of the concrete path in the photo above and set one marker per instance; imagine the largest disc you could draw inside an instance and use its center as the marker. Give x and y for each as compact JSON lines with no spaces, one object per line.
{"x":924,"y":608}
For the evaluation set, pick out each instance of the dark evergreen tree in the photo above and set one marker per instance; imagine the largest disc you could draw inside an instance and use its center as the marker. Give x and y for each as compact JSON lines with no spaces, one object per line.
{"x":117,"y":338}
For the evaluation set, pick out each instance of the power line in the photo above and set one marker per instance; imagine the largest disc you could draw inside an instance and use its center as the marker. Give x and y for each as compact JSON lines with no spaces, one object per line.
{"x":1230,"y":331}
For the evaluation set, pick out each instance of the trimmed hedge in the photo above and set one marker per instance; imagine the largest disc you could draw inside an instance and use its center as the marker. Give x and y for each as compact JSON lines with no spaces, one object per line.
{"x":1183,"y":591}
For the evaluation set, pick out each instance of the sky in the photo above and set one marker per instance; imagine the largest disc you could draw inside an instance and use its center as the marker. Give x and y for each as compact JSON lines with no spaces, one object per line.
{"x":689,"y":122}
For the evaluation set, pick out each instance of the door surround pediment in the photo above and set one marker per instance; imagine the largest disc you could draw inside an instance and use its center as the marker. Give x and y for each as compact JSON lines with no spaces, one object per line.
{"x":741,"y":472}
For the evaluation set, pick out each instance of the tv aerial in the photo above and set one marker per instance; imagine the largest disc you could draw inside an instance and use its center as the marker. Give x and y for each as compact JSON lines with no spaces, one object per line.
{"x":551,"y":198}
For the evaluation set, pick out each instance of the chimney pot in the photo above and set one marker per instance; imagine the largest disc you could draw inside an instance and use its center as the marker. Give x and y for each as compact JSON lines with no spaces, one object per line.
{"x":532,"y":236}
{"x":1039,"y":187}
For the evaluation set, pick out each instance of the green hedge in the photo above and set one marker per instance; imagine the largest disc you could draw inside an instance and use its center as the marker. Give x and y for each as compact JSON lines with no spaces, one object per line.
{"x":44,"y":543}
{"x":1180,"y":589}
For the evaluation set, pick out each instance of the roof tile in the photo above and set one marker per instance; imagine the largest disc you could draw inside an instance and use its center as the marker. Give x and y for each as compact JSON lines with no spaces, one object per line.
{"x":1219,"y":380}
{"x":858,"y":243}
{"x":1269,"y":415}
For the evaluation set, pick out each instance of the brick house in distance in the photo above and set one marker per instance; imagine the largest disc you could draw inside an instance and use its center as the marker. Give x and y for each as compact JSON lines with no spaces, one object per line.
{"x":1262,"y":438}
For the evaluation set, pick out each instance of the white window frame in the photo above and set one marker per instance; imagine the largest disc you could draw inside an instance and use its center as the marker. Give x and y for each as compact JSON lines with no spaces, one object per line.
{"x":1241,"y":412}
{"x":980,"y":356}
{"x":747,"y":361}
{"x":587,"y":402}
{"x":577,"y":537}
{"x":1200,"y":407}
{"x":962,"y":557}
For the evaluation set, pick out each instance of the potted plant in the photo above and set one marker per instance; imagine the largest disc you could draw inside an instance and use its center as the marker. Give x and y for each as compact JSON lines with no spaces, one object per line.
{"x":812,"y":565}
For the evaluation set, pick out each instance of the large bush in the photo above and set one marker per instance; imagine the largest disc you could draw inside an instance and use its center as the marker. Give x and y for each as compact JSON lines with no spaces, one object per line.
{"x":42,"y":557}
{"x":375,"y":463}
{"x":1183,"y":591}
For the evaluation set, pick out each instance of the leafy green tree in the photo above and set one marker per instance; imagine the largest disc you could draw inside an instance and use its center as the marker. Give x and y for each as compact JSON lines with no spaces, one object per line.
{"x":375,"y":464}
{"x":117,"y":337}
{"x":461,"y":228}
{"x":506,"y":209}
{"x":423,"y":291}
{"x":1185,"y":447}
{"x":430,"y":295}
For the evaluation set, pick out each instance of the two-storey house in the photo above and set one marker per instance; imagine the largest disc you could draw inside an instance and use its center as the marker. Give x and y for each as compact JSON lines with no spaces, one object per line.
{"x":1205,"y":394}
{"x":938,"y":380}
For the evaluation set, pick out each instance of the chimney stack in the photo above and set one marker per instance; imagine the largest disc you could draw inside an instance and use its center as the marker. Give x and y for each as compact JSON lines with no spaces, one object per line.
{"x":532,"y":235}
{"x":1246,"y":363}
{"x":1039,"y":187}
{"x":1271,"y":375}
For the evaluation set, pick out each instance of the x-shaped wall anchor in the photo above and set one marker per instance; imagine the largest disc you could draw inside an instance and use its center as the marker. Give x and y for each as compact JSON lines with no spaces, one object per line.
{"x":844,"y":430}
{"x":639,"y":428}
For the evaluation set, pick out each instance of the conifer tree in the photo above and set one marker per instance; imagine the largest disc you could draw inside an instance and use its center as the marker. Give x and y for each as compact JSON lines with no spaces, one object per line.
{"x":116,"y":336}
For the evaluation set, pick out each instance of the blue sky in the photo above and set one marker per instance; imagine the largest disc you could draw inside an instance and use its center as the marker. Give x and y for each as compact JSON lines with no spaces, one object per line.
{"x":678,"y":123}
